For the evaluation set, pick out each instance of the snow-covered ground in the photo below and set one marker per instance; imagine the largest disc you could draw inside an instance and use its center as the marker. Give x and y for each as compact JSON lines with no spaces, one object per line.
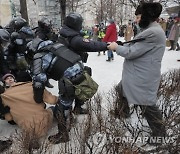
{"x":106,"y":74}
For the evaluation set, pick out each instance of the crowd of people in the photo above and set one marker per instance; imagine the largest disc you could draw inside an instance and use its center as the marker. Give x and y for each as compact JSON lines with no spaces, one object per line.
{"x":29,"y":58}
{"x":171,"y":27}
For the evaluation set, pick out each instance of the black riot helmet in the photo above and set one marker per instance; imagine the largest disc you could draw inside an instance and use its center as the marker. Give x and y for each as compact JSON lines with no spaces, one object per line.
{"x":74,"y":21}
{"x":27,"y":34}
{"x":17,"y":23}
{"x":16,"y":38}
{"x":45,"y":24}
{"x":4,"y":37}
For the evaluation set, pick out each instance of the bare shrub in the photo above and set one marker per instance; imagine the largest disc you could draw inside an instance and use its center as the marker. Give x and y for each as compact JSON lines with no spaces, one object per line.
{"x":104,"y":132}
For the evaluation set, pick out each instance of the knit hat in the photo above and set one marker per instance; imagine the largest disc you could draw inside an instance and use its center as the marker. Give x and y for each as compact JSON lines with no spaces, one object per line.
{"x":7,"y":75}
{"x":111,"y":21}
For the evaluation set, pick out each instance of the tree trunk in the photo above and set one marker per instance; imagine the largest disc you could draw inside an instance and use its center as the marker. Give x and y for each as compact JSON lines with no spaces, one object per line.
{"x":23,"y":10}
{"x":63,"y":10}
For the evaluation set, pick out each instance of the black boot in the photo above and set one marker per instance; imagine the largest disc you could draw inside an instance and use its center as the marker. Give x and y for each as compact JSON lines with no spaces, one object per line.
{"x":172,"y":45}
{"x":4,"y":145}
{"x":109,"y":59}
{"x":62,"y":136}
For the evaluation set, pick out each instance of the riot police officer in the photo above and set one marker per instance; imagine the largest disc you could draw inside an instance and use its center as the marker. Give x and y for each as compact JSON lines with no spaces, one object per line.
{"x":4,"y":38}
{"x":15,"y":54}
{"x":44,"y":32}
{"x":16,"y":24}
{"x":75,"y":41}
{"x":51,"y":61}
{"x":56,"y":61}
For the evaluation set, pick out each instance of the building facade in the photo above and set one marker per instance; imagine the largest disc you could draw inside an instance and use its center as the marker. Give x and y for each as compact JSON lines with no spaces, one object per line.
{"x":38,"y":9}
{"x":5,"y":12}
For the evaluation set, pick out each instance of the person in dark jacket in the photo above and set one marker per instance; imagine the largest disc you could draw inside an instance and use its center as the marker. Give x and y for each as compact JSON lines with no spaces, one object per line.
{"x":44,"y":32}
{"x":4,"y":38}
{"x":75,"y":41}
{"x":16,"y":52}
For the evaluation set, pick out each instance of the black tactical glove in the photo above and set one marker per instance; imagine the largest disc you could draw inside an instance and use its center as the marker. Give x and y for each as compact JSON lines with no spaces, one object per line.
{"x":12,"y":122}
{"x":3,"y":111}
{"x":38,"y":89}
{"x":88,"y":70}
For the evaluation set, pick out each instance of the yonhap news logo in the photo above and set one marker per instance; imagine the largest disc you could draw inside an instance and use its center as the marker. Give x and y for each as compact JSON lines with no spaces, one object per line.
{"x":145,"y":139}
{"x":100,"y":139}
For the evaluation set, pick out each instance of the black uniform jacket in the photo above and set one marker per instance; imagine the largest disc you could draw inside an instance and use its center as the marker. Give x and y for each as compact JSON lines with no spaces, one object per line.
{"x":79,"y":44}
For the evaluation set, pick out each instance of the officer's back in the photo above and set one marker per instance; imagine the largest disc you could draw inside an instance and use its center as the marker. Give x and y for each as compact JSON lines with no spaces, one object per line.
{"x":71,"y":31}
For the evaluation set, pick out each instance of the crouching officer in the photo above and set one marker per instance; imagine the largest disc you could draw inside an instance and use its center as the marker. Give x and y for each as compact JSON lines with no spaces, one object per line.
{"x":56,"y":61}
{"x":75,"y":41}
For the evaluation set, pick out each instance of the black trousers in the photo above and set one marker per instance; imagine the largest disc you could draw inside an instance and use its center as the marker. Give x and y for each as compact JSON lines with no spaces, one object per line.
{"x":154,"y":118}
{"x":152,"y":114}
{"x":173,"y":46}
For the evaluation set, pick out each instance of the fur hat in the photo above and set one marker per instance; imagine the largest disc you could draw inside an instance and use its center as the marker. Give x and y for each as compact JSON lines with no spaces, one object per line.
{"x":138,"y":10}
{"x":149,"y":13}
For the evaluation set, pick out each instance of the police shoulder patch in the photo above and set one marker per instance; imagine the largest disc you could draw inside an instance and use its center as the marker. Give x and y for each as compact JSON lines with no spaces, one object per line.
{"x":85,"y":40}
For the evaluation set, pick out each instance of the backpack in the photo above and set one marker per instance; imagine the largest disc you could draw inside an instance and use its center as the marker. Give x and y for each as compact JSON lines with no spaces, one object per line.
{"x":86,"y":89}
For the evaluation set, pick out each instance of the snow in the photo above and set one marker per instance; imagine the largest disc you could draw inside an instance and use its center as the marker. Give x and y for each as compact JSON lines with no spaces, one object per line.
{"x":106,"y":74}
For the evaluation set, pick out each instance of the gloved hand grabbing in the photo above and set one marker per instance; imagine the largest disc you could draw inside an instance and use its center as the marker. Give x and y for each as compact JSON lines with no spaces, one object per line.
{"x":112,"y":46}
{"x":3,"y":111}
{"x":12,"y":122}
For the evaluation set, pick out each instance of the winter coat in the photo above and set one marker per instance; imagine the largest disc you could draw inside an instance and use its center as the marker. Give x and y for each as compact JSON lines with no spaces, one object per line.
{"x":111,"y":34}
{"x":142,"y":66}
{"x":163,"y":25}
{"x":27,"y":114}
{"x":128,"y":33}
{"x":78,"y":44}
{"x":174,"y":33}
